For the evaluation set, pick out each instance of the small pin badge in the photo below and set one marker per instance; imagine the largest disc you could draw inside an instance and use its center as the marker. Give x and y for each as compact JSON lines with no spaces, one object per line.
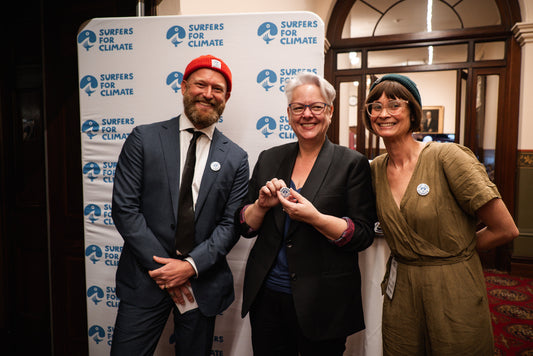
{"x":285,"y":192}
{"x":215,"y":166}
{"x":422,"y":189}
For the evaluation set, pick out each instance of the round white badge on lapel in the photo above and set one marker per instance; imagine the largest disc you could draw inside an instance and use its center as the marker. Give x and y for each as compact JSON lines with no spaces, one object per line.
{"x":422,"y":189}
{"x":215,"y":166}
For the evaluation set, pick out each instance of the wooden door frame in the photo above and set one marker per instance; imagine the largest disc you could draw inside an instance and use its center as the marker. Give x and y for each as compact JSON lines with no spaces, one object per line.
{"x":507,"y":140}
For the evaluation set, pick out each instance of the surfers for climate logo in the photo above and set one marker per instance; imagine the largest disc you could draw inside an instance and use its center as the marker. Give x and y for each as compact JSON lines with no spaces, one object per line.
{"x":112,"y":128}
{"x":108,"y":39}
{"x":197,"y":35}
{"x":292,"y":32}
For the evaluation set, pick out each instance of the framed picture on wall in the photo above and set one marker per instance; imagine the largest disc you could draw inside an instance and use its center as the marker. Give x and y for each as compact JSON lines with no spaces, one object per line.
{"x":432,"y":119}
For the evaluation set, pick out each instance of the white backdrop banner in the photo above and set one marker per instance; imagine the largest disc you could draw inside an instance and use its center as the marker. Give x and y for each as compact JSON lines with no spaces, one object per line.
{"x":130,"y":72}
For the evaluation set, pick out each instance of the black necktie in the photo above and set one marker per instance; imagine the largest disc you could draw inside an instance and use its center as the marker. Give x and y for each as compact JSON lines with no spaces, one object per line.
{"x":185,"y":225}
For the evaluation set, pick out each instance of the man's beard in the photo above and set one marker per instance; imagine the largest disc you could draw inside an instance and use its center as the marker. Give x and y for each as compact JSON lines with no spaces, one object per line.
{"x":199,"y":119}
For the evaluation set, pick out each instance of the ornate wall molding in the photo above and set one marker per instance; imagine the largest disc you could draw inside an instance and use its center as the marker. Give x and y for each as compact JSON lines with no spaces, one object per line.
{"x":523,"y":32}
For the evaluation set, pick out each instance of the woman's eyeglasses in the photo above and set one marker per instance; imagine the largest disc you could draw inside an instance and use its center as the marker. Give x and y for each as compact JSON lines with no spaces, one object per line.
{"x":392,"y":107}
{"x":316,"y":108}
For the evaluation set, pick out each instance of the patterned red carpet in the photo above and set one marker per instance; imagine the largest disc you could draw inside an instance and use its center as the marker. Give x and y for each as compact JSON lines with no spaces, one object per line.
{"x":511,"y":305}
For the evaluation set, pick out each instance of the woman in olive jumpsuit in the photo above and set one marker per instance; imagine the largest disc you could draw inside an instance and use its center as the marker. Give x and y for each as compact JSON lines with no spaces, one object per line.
{"x":430,"y":197}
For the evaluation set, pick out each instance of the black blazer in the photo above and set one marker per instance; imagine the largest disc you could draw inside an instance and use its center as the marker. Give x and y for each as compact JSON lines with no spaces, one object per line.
{"x":326,"y":282}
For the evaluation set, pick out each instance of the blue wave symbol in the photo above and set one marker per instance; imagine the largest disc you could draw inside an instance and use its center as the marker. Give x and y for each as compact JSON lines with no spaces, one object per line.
{"x":93,"y":252}
{"x":174,"y":81}
{"x":267,"y":77}
{"x":89,"y":168}
{"x":267,"y":29}
{"x":267,"y":39}
{"x":266,"y":125}
{"x":97,"y":333}
{"x":91,"y":218}
{"x":87,"y":38}
{"x":91,"y":211}
{"x":89,"y":127}
{"x":266,"y":85}
{"x":87,"y":83}
{"x":96,"y":294}
{"x":175,"y":34}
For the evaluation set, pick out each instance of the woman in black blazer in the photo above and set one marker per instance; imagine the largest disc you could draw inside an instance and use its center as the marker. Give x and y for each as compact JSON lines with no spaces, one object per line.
{"x":311,"y":205}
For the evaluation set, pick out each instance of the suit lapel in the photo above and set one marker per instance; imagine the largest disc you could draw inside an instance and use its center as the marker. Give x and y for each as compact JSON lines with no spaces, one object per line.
{"x":318,"y":173}
{"x":170,"y":146}
{"x":217,"y":157}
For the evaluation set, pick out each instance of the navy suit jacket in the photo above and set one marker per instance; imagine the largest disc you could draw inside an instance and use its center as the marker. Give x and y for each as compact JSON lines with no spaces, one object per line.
{"x":325,"y":278}
{"x":145,"y":205}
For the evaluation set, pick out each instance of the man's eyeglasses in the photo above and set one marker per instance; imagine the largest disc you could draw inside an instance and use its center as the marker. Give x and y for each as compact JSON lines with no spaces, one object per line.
{"x":392,"y":107}
{"x":316,"y":108}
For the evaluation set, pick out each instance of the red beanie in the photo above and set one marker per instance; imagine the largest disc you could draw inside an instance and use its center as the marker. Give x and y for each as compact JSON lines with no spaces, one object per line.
{"x":210,"y":62}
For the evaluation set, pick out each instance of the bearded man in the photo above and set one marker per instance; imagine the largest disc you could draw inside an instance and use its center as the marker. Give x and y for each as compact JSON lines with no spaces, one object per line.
{"x":175,"y":212}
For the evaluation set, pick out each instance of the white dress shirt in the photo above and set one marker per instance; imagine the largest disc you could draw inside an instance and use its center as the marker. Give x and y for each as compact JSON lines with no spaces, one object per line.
{"x":202,"y":152}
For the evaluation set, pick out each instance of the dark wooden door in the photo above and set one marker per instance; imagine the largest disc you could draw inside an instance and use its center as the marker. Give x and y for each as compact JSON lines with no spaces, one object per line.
{"x":42,"y":273}
{"x":24,"y":240}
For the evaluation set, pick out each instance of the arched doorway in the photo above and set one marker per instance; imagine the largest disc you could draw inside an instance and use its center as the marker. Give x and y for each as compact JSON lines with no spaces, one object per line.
{"x":465,"y":60}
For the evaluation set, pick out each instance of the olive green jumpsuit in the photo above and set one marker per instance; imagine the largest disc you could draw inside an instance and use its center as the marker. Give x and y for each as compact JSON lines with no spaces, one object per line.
{"x":439,"y":303}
